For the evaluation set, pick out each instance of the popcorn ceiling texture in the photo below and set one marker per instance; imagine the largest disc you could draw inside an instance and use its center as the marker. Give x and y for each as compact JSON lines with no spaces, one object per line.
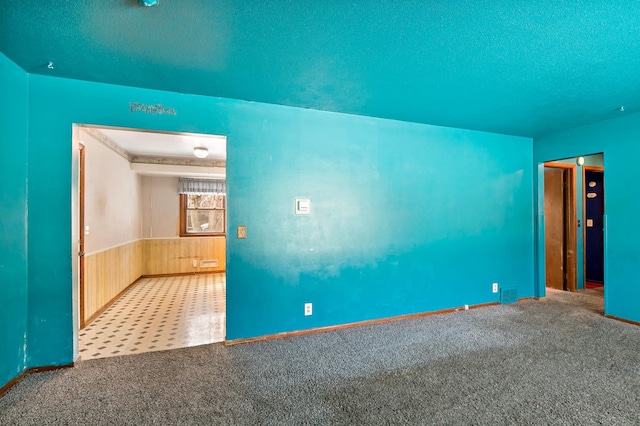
{"x":523,"y":68}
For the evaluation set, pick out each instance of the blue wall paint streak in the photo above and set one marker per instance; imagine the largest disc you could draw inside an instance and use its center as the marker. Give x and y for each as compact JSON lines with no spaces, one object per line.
{"x":13,"y":222}
{"x":617,"y":139}
{"x":406,"y":217}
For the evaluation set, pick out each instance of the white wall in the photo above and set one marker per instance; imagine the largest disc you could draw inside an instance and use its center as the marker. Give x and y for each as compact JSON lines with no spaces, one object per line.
{"x":160,"y":207}
{"x":113,"y":197}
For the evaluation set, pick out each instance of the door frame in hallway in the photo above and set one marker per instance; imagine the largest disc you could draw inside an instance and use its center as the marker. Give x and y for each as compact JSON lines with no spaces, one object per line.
{"x":569,"y":225}
{"x":81,"y":188}
{"x":540,"y":237}
{"x":586,"y":169}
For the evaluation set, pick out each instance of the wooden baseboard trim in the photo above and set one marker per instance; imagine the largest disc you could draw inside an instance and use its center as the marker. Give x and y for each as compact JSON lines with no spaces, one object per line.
{"x":351,"y":324}
{"x":11,"y":383}
{"x":50,"y":368}
{"x":622,"y":320}
{"x":184,"y":274}
{"x":108,"y":305}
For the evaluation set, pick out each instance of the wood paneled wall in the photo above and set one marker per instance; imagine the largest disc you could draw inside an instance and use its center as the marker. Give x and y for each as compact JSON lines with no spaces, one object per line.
{"x":109,"y":272}
{"x":176,"y":255}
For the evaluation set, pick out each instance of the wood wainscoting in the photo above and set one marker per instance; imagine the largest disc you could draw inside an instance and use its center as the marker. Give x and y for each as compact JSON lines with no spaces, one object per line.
{"x":108,"y":273}
{"x":168,"y":256}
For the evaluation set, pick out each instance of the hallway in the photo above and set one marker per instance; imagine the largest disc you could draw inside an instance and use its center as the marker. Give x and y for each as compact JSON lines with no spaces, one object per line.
{"x":159,"y":314}
{"x":590,"y":298}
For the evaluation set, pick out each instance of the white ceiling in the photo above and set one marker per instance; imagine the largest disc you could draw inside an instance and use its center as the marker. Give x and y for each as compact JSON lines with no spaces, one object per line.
{"x":172,"y":145}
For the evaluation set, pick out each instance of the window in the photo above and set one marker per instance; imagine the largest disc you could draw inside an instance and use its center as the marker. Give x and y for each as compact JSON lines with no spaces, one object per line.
{"x":202,"y":214}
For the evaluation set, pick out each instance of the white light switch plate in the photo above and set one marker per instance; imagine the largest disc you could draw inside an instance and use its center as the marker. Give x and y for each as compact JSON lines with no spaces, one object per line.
{"x":303,"y":206}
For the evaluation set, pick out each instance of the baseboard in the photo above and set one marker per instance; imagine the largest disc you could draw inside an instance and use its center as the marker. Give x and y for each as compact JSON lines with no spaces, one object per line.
{"x":50,"y":368}
{"x":108,"y":304}
{"x":11,"y":383}
{"x":622,"y":320}
{"x":350,"y":325}
{"x":184,"y":274}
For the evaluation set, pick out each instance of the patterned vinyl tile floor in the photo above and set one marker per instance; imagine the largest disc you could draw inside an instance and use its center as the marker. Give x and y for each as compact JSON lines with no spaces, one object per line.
{"x":159,"y":314}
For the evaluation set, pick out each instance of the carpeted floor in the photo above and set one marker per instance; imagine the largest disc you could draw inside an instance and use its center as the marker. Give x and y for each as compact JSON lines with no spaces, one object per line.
{"x":555,"y":361}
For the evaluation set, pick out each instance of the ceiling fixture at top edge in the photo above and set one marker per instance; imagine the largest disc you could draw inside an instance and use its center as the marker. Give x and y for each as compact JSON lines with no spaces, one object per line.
{"x":149,"y":2}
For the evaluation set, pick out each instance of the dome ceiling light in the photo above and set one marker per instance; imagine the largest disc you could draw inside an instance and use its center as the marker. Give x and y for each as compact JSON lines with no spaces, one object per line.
{"x":200,"y":152}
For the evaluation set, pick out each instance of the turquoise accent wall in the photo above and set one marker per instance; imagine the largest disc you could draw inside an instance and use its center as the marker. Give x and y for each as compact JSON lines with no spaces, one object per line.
{"x":405,"y":217}
{"x":13,"y":218}
{"x":617,"y":139}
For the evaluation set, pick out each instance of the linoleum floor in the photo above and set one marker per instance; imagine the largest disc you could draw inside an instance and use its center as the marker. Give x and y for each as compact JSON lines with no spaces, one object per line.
{"x":159,"y":314}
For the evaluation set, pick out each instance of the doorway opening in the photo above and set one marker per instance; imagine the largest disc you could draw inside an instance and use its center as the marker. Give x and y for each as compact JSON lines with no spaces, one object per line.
{"x":560,"y":226}
{"x":574,"y":225}
{"x":593,"y":178}
{"x":150,"y":271}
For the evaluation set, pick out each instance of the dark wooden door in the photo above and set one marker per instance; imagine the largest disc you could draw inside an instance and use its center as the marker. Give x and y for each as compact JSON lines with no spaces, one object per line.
{"x":594,"y":233}
{"x":554,"y":227}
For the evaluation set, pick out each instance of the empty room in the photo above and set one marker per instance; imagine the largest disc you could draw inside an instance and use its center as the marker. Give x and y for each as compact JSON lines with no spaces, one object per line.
{"x":319,"y":212}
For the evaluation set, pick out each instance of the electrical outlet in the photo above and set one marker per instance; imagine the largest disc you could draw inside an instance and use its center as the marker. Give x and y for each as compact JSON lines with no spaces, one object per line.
{"x":194,"y":263}
{"x":308,"y":309}
{"x":495,"y":287}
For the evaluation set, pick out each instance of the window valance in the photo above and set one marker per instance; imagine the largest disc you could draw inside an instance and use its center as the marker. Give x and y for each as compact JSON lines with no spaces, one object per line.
{"x":202,"y":186}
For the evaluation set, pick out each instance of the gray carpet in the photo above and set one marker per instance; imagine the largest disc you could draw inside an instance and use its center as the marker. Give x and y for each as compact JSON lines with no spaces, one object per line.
{"x":555,"y":361}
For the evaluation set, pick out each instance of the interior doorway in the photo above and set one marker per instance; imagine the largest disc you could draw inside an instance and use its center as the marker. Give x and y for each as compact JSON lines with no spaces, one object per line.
{"x":594,"y":226}
{"x":144,"y":280}
{"x":575,"y":225}
{"x":560,"y":226}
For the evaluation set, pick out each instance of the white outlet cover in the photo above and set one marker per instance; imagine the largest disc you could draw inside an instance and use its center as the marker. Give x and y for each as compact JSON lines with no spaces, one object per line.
{"x":303,"y":206}
{"x":308,"y":309}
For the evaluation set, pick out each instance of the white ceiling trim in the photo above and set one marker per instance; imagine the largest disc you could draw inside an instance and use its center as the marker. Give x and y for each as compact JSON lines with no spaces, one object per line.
{"x":201,"y":164}
{"x":146,"y":169}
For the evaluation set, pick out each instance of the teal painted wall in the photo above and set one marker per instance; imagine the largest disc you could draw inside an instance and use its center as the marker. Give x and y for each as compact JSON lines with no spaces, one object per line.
{"x":13,"y":218}
{"x":405,"y":217}
{"x":617,"y":139}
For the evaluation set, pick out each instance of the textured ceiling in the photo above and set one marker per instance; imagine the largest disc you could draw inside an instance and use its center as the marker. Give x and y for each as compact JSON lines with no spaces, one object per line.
{"x":166,"y":145}
{"x":517,"y":67}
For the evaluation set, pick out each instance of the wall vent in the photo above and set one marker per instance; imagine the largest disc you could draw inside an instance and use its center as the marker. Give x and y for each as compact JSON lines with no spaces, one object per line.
{"x":508,"y":295}
{"x":210,"y":263}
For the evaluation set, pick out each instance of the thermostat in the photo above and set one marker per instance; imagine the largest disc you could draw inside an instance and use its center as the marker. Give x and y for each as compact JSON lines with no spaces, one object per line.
{"x":303,"y":206}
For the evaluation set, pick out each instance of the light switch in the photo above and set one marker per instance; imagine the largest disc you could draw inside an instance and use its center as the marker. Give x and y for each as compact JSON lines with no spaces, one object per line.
{"x":303,"y":206}
{"x":86,"y":230}
{"x":589,"y":223}
{"x":242,"y":232}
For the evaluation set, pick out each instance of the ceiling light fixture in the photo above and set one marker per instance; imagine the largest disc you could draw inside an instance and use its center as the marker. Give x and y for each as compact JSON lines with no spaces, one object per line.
{"x":200,"y":152}
{"x":149,"y":2}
